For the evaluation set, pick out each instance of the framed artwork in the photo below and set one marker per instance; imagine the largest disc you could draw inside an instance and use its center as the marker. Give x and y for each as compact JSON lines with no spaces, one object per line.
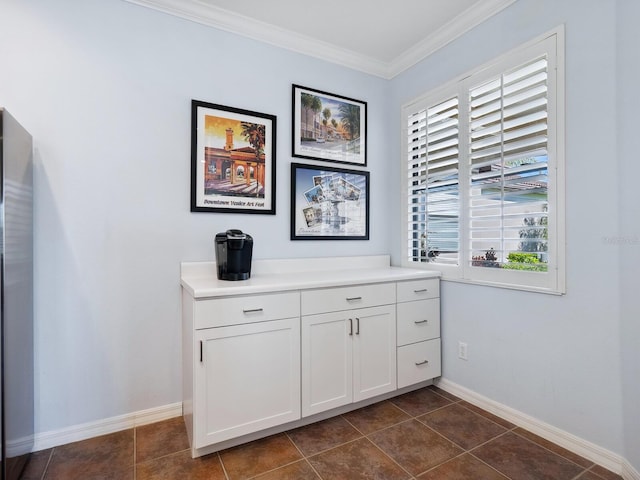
{"x":233,"y":160}
{"x":328,"y":127}
{"x":329,"y":203}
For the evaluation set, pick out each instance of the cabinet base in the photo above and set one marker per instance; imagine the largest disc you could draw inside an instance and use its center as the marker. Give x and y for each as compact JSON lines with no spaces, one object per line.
{"x":199,"y":452}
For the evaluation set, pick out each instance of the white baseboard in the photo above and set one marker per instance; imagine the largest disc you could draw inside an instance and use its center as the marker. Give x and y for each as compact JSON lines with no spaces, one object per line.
{"x":598,"y":455}
{"x":88,"y":430}
{"x":628,"y":472}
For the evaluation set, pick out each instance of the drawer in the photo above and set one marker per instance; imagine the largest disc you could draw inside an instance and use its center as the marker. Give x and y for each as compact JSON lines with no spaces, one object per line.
{"x":418,"y":362}
{"x":347,"y":298}
{"x":418,"y":321}
{"x":218,"y":312}
{"x":418,"y":289}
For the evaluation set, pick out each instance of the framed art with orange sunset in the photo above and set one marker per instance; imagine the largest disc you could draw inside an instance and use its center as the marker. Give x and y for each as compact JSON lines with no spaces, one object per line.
{"x":233,"y":160}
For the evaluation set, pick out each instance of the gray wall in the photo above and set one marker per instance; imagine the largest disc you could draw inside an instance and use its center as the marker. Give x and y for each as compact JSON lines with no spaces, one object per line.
{"x":628,"y":245}
{"x":105,"y":88}
{"x":554,"y":358}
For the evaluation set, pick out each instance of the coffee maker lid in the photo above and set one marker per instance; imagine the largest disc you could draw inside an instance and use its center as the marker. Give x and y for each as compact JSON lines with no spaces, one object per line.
{"x":235,"y":234}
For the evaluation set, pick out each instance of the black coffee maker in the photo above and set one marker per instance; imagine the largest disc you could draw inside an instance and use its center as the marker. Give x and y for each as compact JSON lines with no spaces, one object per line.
{"x":233,"y":255}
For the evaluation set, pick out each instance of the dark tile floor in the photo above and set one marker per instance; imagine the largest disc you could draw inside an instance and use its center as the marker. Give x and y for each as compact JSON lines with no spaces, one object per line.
{"x":427,"y":434}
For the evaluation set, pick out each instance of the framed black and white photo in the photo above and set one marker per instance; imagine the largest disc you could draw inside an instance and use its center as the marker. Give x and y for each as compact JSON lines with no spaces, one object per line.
{"x":328,"y":127}
{"x":233,"y":160}
{"x":329,"y":203}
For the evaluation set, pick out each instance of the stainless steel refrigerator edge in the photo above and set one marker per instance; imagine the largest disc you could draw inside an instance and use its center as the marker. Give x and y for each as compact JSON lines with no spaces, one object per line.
{"x":16,"y":248}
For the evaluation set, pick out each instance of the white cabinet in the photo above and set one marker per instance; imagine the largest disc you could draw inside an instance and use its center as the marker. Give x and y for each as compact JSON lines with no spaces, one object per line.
{"x":418,"y":322}
{"x":246,"y":374}
{"x":300,"y":338}
{"x":348,"y":355}
{"x":374,"y":356}
{"x":327,"y":362}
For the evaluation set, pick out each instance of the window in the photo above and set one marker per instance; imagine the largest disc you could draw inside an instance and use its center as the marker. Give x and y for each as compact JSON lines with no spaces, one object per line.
{"x":483,"y":173}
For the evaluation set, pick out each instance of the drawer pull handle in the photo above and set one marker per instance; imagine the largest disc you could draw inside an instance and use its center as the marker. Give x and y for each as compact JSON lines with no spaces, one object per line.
{"x":251,"y":310}
{"x":417,"y":322}
{"x":422,"y":290}
{"x":350,"y":326}
{"x":353,"y":299}
{"x":421,"y":363}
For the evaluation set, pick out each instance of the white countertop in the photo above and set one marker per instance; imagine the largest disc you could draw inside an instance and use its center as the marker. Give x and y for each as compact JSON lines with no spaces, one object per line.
{"x":200,"y":280}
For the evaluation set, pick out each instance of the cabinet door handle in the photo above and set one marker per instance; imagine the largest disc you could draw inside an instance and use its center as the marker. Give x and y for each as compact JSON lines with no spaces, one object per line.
{"x":200,"y":351}
{"x":350,"y":326}
{"x":251,"y":310}
{"x":357,"y":326}
{"x":421,"y":363}
{"x":417,"y":322}
{"x":353,"y":299}
{"x":422,"y":290}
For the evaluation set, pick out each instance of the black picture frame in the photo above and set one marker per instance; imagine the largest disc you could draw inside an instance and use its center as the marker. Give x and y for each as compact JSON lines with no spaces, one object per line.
{"x":233,"y":160}
{"x":329,"y":203}
{"x":328,"y":127}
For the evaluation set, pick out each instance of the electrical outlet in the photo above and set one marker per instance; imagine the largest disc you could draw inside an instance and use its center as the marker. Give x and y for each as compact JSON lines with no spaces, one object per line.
{"x":462,"y":351}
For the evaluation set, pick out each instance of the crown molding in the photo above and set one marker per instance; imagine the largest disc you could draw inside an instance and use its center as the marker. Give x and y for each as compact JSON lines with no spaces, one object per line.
{"x":457,"y":27}
{"x":206,"y":14}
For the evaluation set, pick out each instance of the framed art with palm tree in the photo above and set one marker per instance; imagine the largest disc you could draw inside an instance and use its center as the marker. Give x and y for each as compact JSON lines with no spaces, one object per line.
{"x":233,"y":160}
{"x":329,"y":127}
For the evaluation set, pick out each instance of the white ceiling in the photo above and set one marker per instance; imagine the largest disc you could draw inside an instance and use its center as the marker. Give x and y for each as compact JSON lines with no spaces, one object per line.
{"x":380,"y":37}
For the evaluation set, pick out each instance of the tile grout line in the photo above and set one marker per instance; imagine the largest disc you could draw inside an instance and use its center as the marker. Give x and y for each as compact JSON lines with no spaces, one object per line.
{"x":590,"y":469}
{"x":46,"y":467}
{"x":506,"y":430}
{"x":313,"y":468}
{"x":512,"y":429}
{"x":335,"y":446}
{"x":411,"y":475}
{"x":429,"y":411}
{"x":135,"y":452}
{"x":446,"y":461}
{"x":368,"y":421}
{"x":488,"y":441}
{"x":489,"y":466}
{"x":461,"y":404}
{"x":352,"y":425}
{"x":257,"y":475}
{"x":304,"y":457}
{"x":362,"y":436}
{"x":524,"y":438}
{"x":224,"y":470}
{"x":556,"y":453}
{"x":447,"y":438}
{"x":464,"y":450}
{"x":577,"y":477}
{"x":415,"y":417}
{"x":470,"y":452}
{"x":167,"y":455}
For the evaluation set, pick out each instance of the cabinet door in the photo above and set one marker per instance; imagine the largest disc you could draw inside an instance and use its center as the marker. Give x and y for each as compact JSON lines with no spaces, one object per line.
{"x":326,"y":361}
{"x":247,"y":378}
{"x":374,"y":351}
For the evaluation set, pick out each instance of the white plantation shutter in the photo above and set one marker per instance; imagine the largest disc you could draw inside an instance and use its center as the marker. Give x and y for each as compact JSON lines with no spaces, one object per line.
{"x":508,"y":165}
{"x":432,"y":177}
{"x":483,"y":173}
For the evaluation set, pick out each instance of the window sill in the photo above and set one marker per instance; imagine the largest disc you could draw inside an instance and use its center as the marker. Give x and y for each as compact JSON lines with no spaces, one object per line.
{"x":508,"y":286}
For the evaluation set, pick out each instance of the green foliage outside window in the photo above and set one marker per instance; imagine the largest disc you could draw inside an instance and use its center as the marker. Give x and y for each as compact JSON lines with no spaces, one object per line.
{"x":524,"y":261}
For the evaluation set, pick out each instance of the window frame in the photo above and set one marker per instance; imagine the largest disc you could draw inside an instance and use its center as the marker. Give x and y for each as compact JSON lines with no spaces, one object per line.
{"x":553,"y":281}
